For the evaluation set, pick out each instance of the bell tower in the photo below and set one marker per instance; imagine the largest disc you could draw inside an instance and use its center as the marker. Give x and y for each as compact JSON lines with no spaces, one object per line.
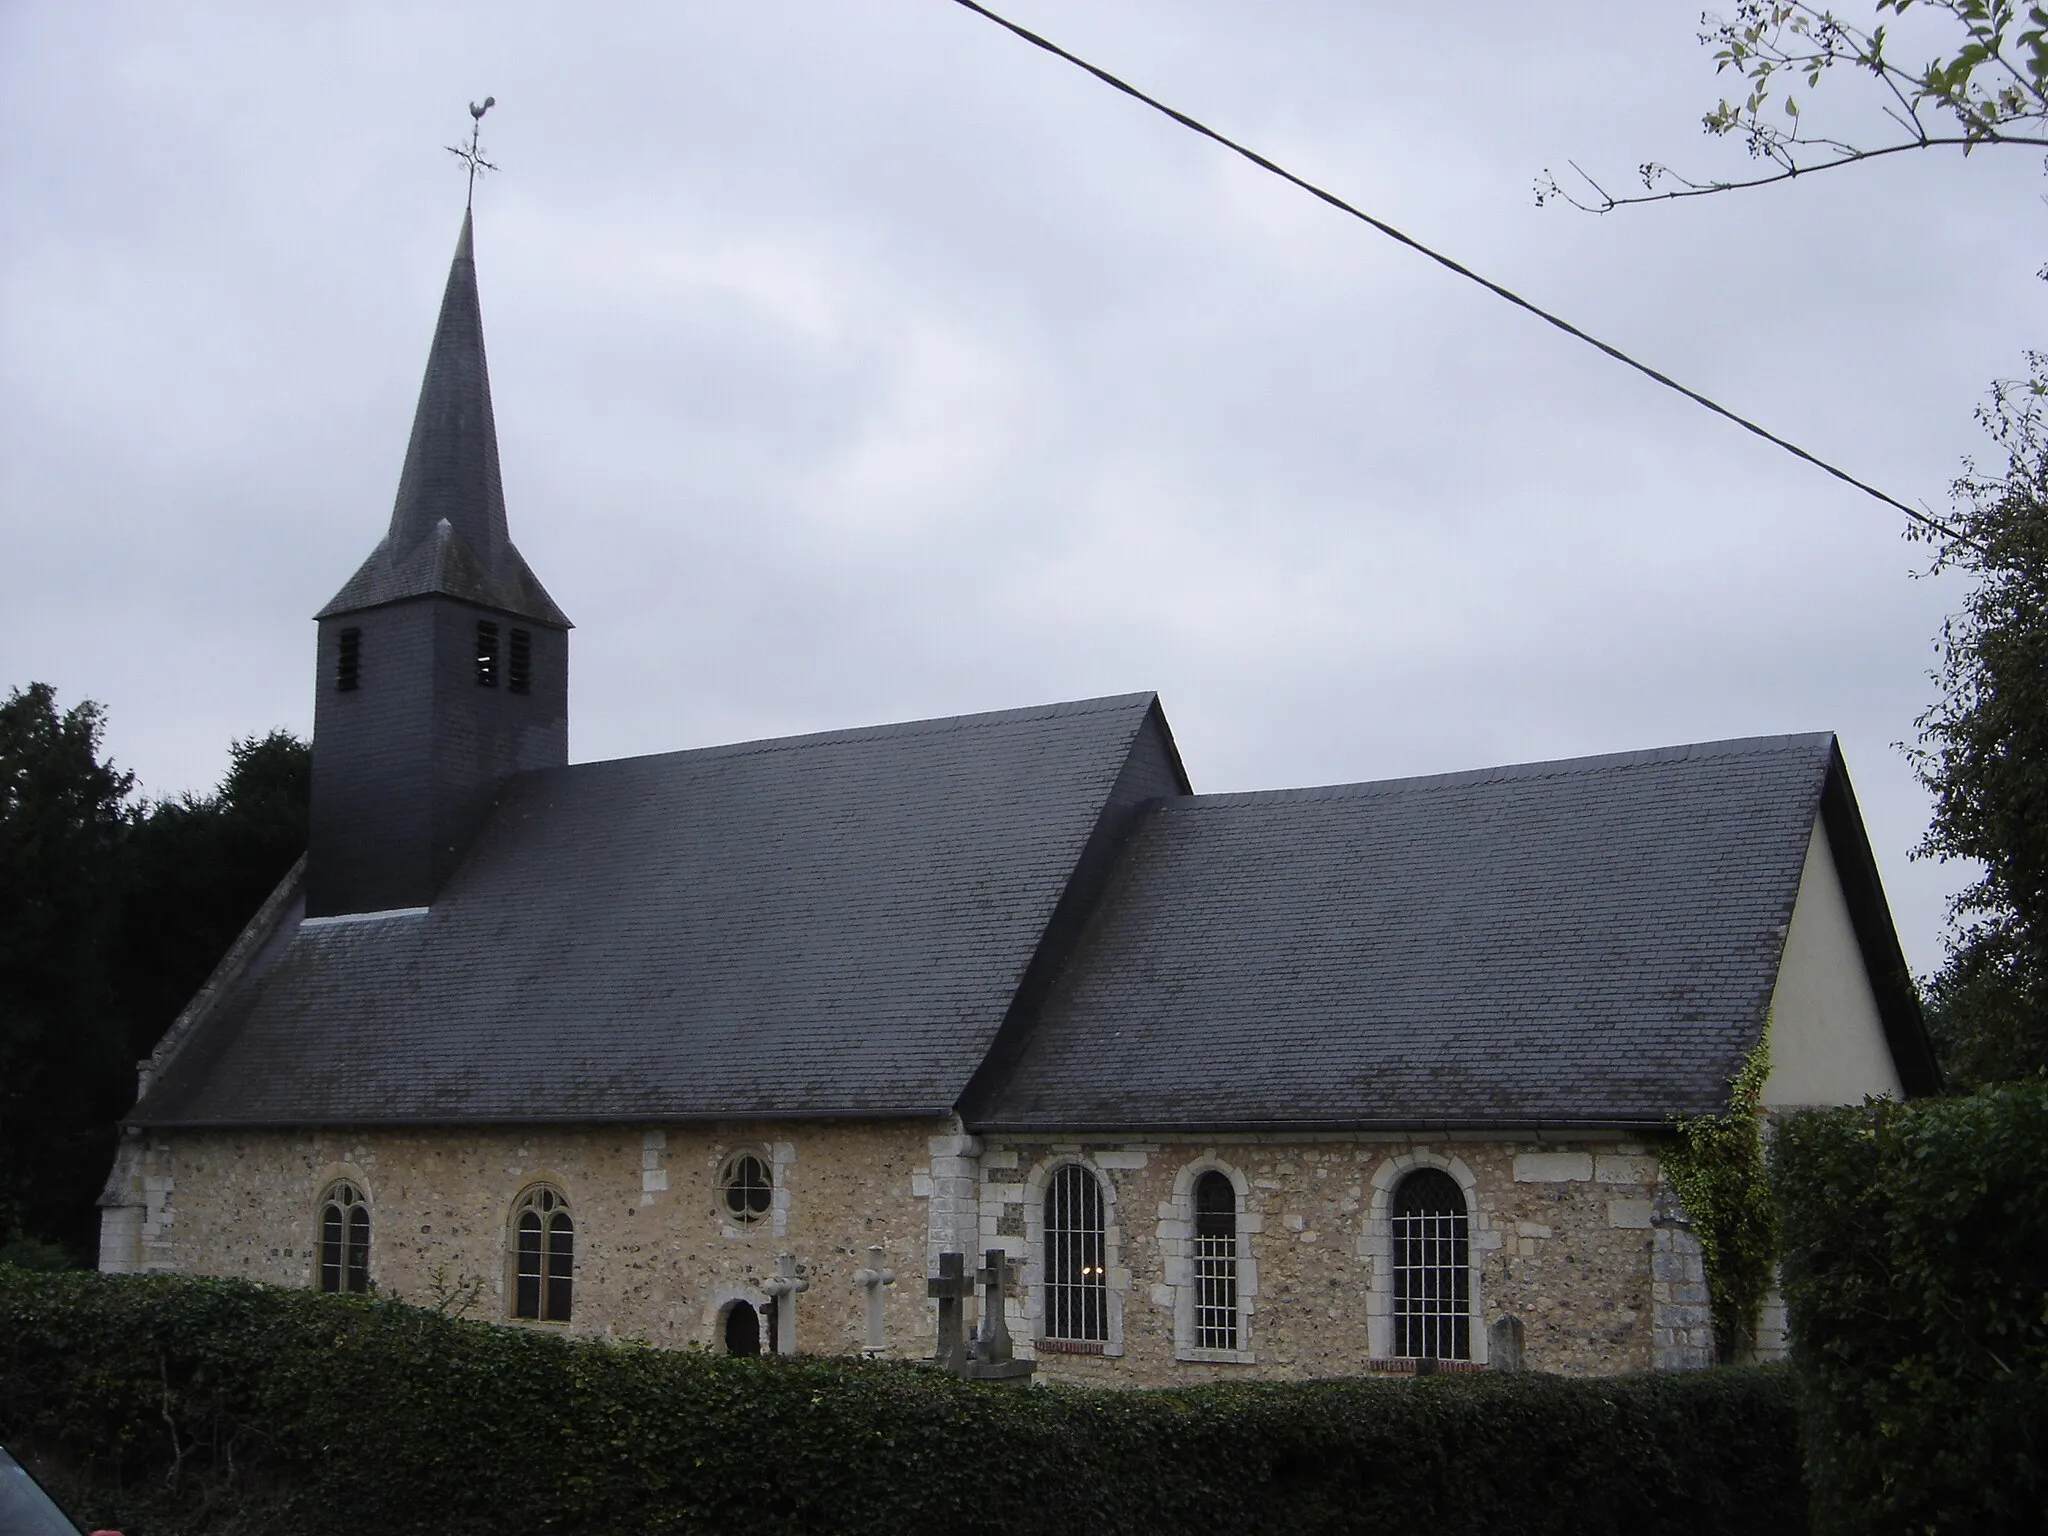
{"x":443,"y":663}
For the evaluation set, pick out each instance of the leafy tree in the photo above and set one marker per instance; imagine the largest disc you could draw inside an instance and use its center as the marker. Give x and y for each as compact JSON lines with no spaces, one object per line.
{"x":198,"y":868}
{"x":112,"y":913}
{"x":1990,"y":86}
{"x":1984,"y":749}
{"x":64,"y":819}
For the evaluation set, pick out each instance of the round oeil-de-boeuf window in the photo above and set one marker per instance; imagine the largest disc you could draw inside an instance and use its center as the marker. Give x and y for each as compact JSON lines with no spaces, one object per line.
{"x":746,"y":1187}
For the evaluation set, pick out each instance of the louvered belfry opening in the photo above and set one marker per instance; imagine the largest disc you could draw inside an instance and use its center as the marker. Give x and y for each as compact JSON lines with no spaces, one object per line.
{"x":1432,"y":1268}
{"x":348,"y":661}
{"x":1076,"y":1261}
{"x":1215,"y":1262}
{"x":486,"y":654}
{"x":519,"y":664}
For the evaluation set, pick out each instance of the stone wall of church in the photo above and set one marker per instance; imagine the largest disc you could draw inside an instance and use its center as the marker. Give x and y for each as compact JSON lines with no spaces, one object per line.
{"x":657,"y":1258}
{"x":1564,"y":1236}
{"x":1574,"y":1239}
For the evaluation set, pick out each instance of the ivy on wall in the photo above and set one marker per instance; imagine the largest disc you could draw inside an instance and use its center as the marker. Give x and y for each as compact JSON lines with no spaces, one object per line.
{"x":1717,"y":1165}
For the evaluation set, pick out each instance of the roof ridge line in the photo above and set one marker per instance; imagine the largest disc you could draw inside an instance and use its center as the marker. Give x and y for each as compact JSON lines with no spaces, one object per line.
{"x":934,"y":726}
{"x":1560,"y":767}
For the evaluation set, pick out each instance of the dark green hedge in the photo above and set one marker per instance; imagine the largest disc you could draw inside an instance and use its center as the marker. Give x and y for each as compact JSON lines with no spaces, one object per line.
{"x":321,"y":1414}
{"x":1916,"y":1271}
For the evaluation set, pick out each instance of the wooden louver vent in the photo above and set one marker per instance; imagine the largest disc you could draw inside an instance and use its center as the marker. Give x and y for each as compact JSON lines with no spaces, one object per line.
{"x":348,"y":662}
{"x":486,"y":654}
{"x":519,"y":669}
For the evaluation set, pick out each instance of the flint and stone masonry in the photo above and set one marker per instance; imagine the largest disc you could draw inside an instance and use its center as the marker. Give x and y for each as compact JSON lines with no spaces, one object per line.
{"x":1567,"y":1238}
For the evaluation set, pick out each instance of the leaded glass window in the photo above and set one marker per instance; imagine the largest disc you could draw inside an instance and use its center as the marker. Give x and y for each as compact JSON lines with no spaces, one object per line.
{"x":344,"y":1239}
{"x":1215,"y":1262}
{"x":1076,"y":1257}
{"x":544,"y":1256}
{"x":746,"y":1187}
{"x":1432,"y":1268}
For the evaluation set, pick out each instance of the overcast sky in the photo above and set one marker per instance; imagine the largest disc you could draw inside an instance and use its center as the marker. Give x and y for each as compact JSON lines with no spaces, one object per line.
{"x":856,"y":362}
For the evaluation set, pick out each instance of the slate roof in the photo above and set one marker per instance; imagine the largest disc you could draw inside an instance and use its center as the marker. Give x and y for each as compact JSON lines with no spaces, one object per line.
{"x":817,"y":926}
{"x":1569,"y":942}
{"x":448,"y":533}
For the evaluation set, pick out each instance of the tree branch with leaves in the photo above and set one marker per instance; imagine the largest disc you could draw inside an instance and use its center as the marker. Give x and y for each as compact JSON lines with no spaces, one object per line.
{"x":1983,"y":750}
{"x":1989,"y":86}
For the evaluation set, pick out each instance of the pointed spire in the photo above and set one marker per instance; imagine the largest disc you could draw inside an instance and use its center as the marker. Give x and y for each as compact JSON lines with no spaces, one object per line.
{"x":448,"y":533}
{"x":451,"y":463}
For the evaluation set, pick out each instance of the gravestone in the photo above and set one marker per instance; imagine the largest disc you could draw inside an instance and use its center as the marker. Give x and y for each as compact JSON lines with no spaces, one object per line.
{"x":1504,"y":1344}
{"x":993,"y":1358}
{"x":951,"y":1287}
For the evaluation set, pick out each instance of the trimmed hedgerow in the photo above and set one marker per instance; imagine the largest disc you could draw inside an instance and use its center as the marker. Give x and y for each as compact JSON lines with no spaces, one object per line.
{"x":174,"y":1406}
{"x":1916,"y":1276}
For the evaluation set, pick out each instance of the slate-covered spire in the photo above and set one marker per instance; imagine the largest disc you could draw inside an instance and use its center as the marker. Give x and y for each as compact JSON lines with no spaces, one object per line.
{"x":444,"y":666}
{"x":448,"y":534}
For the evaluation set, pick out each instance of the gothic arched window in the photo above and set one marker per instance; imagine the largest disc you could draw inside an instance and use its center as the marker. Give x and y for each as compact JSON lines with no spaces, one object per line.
{"x":1076,"y":1257}
{"x":1215,"y":1262}
{"x":544,"y":1255}
{"x":344,"y":1238}
{"x":1432,"y":1268}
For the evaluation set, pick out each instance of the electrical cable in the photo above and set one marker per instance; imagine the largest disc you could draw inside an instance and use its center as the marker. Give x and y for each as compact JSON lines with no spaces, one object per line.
{"x":1496,"y":289}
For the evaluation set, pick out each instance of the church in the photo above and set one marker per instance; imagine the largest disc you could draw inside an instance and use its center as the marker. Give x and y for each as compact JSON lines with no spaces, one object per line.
{"x":724,"y":1048}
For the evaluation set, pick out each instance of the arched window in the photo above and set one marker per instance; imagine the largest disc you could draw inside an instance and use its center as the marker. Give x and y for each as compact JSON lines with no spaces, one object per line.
{"x":344,"y":1238}
{"x":1076,"y":1260}
{"x":544,"y":1256}
{"x":746,"y":1188}
{"x":1432,"y":1268}
{"x":1215,"y":1262}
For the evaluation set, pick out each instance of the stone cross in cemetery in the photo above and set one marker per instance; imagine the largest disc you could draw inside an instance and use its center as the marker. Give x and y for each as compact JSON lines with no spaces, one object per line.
{"x":783,"y":1287}
{"x":951,"y":1286}
{"x":873,"y":1278}
{"x":993,"y":1358}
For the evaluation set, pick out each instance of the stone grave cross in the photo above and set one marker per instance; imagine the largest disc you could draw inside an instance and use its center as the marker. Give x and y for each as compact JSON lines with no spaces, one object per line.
{"x":993,"y":1354}
{"x":873,"y":1278}
{"x":951,"y":1286}
{"x":783,"y":1287}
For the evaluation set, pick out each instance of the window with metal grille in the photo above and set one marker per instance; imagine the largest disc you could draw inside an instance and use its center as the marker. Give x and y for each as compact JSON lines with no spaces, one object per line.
{"x":519,"y":664}
{"x":1215,"y":1266}
{"x":344,"y":1239}
{"x":747,"y":1188}
{"x":348,"y":662}
{"x":486,"y":654}
{"x":544,"y":1256}
{"x":1432,"y":1268}
{"x":1076,"y":1257}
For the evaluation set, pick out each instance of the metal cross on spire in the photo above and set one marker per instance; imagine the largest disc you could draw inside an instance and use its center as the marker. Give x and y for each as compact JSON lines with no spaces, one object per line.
{"x":472,"y":156}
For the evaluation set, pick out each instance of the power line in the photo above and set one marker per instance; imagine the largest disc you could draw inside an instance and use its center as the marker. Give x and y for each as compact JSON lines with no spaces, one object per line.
{"x":1496,"y":289}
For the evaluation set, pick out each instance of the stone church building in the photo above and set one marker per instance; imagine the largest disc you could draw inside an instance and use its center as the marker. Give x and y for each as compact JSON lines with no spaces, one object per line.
{"x":724,"y":1047}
